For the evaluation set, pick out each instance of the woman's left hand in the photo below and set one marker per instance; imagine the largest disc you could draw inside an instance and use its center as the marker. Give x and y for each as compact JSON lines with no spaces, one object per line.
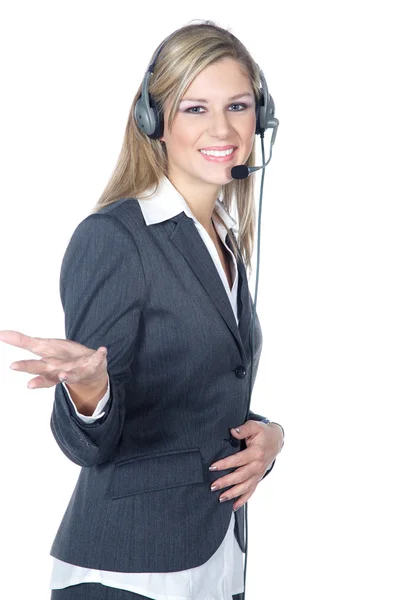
{"x":264,"y":441}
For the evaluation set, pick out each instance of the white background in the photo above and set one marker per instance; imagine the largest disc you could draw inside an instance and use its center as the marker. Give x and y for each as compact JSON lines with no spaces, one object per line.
{"x":324,"y":524}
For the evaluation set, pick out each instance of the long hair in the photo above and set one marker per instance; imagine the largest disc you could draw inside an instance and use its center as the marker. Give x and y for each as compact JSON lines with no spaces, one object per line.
{"x":143,"y":161}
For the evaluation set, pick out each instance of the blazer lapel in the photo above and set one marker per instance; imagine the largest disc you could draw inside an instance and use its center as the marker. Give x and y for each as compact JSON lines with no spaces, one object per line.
{"x":243,"y":298}
{"x":188,"y":241}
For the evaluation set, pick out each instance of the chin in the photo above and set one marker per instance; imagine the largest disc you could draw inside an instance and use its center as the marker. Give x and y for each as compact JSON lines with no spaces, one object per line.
{"x":221,"y":178}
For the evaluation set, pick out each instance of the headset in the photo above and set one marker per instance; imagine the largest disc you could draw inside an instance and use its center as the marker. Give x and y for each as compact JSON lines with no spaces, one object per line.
{"x":149,"y":117}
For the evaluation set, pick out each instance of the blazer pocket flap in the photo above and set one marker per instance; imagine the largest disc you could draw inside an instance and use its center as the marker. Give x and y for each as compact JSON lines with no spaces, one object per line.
{"x":156,"y":472}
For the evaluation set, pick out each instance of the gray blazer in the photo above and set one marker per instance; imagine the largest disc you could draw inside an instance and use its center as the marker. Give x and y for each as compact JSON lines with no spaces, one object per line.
{"x":179,"y":374}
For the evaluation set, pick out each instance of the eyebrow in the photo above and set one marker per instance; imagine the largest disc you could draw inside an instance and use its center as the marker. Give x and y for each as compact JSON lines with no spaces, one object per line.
{"x":206,"y":101}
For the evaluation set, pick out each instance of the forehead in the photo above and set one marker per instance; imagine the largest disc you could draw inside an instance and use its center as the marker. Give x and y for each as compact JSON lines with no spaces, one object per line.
{"x":223,"y":78}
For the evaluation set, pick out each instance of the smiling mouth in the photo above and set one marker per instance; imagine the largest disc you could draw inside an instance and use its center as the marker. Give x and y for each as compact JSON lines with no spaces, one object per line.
{"x":219,"y":156}
{"x":224,"y":152}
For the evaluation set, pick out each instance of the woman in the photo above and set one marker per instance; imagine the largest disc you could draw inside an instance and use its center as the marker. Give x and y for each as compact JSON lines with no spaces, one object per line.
{"x":154,"y":368}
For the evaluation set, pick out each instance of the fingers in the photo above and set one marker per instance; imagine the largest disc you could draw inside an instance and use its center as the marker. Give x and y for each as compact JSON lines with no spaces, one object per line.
{"x":44,"y":382}
{"x":51,"y":379}
{"x":64,"y":359}
{"x":27,"y":342}
{"x":39,"y":382}
{"x":41,"y":346}
{"x":15,"y":338}
{"x":65,"y":372}
{"x":42,"y":367}
{"x":28,"y":366}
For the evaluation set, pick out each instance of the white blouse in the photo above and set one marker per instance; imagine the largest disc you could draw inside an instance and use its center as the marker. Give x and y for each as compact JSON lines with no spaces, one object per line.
{"x":221,"y":576}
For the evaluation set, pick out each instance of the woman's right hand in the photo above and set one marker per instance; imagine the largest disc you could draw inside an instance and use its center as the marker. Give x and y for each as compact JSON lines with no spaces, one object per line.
{"x":62,"y":360}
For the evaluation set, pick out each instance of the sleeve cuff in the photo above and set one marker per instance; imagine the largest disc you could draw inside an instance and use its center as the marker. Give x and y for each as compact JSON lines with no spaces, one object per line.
{"x":98,"y":412}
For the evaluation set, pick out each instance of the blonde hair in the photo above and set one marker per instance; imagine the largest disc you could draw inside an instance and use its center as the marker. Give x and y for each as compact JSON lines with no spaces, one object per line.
{"x":143,"y":161}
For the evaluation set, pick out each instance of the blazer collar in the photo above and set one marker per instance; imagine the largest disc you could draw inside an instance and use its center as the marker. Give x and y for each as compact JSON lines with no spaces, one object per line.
{"x":164,"y":202}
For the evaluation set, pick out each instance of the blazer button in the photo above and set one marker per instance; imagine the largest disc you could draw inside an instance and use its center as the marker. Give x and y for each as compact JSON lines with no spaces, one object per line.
{"x":240,"y":371}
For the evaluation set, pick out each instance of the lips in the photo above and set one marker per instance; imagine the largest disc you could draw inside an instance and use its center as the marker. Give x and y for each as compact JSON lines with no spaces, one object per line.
{"x":220,"y":148}
{"x":219,"y":159}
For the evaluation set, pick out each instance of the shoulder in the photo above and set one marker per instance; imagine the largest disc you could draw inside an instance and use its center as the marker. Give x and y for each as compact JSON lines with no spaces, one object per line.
{"x":126,"y":211}
{"x":123,"y":215}
{"x":111,"y":228}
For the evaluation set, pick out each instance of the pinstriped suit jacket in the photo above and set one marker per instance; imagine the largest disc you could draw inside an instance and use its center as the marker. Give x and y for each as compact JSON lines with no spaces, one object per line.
{"x":179,"y":376}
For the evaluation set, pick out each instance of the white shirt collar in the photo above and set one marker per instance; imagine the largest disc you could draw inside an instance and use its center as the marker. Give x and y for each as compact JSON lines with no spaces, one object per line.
{"x":167,"y":202}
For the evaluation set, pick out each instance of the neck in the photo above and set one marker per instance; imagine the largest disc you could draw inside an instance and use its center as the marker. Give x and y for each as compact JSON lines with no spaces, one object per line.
{"x":200,"y":199}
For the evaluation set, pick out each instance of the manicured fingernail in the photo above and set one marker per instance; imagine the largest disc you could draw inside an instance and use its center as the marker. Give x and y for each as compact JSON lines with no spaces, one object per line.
{"x":212,"y":468}
{"x":223,"y":499}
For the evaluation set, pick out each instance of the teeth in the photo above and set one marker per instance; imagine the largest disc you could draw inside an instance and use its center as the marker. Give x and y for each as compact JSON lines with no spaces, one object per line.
{"x":217,"y":152}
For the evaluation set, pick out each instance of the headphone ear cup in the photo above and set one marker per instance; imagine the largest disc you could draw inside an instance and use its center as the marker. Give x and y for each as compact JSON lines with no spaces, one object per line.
{"x":144,"y":117}
{"x":261,"y":111}
{"x":149,"y":120}
{"x":158,"y":119}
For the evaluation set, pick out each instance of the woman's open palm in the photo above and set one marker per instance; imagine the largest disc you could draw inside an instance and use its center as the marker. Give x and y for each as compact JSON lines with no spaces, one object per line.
{"x":61,"y":360}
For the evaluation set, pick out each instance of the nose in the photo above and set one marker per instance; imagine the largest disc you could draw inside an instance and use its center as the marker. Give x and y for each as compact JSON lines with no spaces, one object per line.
{"x":219,"y":125}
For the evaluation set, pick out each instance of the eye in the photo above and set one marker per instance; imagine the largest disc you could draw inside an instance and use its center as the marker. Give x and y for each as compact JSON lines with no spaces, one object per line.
{"x":193,"y":108}
{"x":240,"y":104}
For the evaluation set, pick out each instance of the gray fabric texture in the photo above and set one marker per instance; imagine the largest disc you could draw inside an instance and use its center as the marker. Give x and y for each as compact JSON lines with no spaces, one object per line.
{"x":153,"y":297}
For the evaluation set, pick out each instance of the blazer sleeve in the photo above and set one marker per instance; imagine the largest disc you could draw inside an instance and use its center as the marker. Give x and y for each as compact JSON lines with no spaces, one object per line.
{"x":102,"y":288}
{"x":255,"y":417}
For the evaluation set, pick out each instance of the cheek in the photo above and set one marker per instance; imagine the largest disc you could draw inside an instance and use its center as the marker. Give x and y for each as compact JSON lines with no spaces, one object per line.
{"x":245,"y":125}
{"x":185,"y":133}
{"x":248,"y":132}
{"x":252,"y":124}
{"x":179,"y":144}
